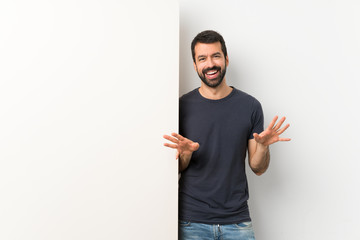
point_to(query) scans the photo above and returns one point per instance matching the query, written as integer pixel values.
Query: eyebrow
(201, 56)
(217, 53)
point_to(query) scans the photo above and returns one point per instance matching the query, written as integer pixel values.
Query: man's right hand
(185, 147)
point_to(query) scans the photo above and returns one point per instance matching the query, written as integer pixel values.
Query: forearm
(184, 162)
(260, 160)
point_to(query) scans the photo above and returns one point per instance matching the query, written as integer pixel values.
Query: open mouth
(211, 74)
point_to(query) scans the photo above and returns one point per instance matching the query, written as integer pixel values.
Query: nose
(210, 63)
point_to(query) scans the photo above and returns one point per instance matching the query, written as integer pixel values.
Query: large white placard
(87, 89)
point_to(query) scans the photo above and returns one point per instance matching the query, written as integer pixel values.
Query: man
(218, 124)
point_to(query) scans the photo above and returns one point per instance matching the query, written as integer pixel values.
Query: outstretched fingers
(284, 139)
(178, 136)
(171, 139)
(273, 132)
(272, 123)
(175, 146)
(185, 147)
(280, 131)
(179, 141)
(279, 124)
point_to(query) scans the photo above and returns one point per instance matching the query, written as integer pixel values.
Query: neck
(219, 92)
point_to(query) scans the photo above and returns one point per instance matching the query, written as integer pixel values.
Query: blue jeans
(200, 231)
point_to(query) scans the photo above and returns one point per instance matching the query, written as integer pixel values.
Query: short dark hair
(208, 36)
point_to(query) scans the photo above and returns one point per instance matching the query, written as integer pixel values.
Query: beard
(213, 83)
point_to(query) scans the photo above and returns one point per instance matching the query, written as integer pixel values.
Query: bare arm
(259, 157)
(259, 154)
(185, 147)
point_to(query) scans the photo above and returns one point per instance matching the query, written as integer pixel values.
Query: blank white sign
(87, 89)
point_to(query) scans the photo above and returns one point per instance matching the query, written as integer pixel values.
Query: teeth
(211, 73)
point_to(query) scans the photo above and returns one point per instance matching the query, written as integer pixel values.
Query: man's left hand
(272, 133)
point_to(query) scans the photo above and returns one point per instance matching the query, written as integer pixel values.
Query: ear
(227, 61)
(194, 65)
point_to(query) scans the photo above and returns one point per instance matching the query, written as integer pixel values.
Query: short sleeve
(257, 119)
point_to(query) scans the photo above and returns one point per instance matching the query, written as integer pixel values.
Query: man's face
(210, 63)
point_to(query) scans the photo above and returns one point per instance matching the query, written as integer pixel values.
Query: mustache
(217, 68)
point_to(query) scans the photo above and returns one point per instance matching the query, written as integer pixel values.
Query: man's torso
(213, 189)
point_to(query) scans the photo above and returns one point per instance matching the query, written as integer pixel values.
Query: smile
(211, 72)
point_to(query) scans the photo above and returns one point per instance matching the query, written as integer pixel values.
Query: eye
(201, 59)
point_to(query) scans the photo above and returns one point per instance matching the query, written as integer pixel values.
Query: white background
(300, 59)
(87, 89)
